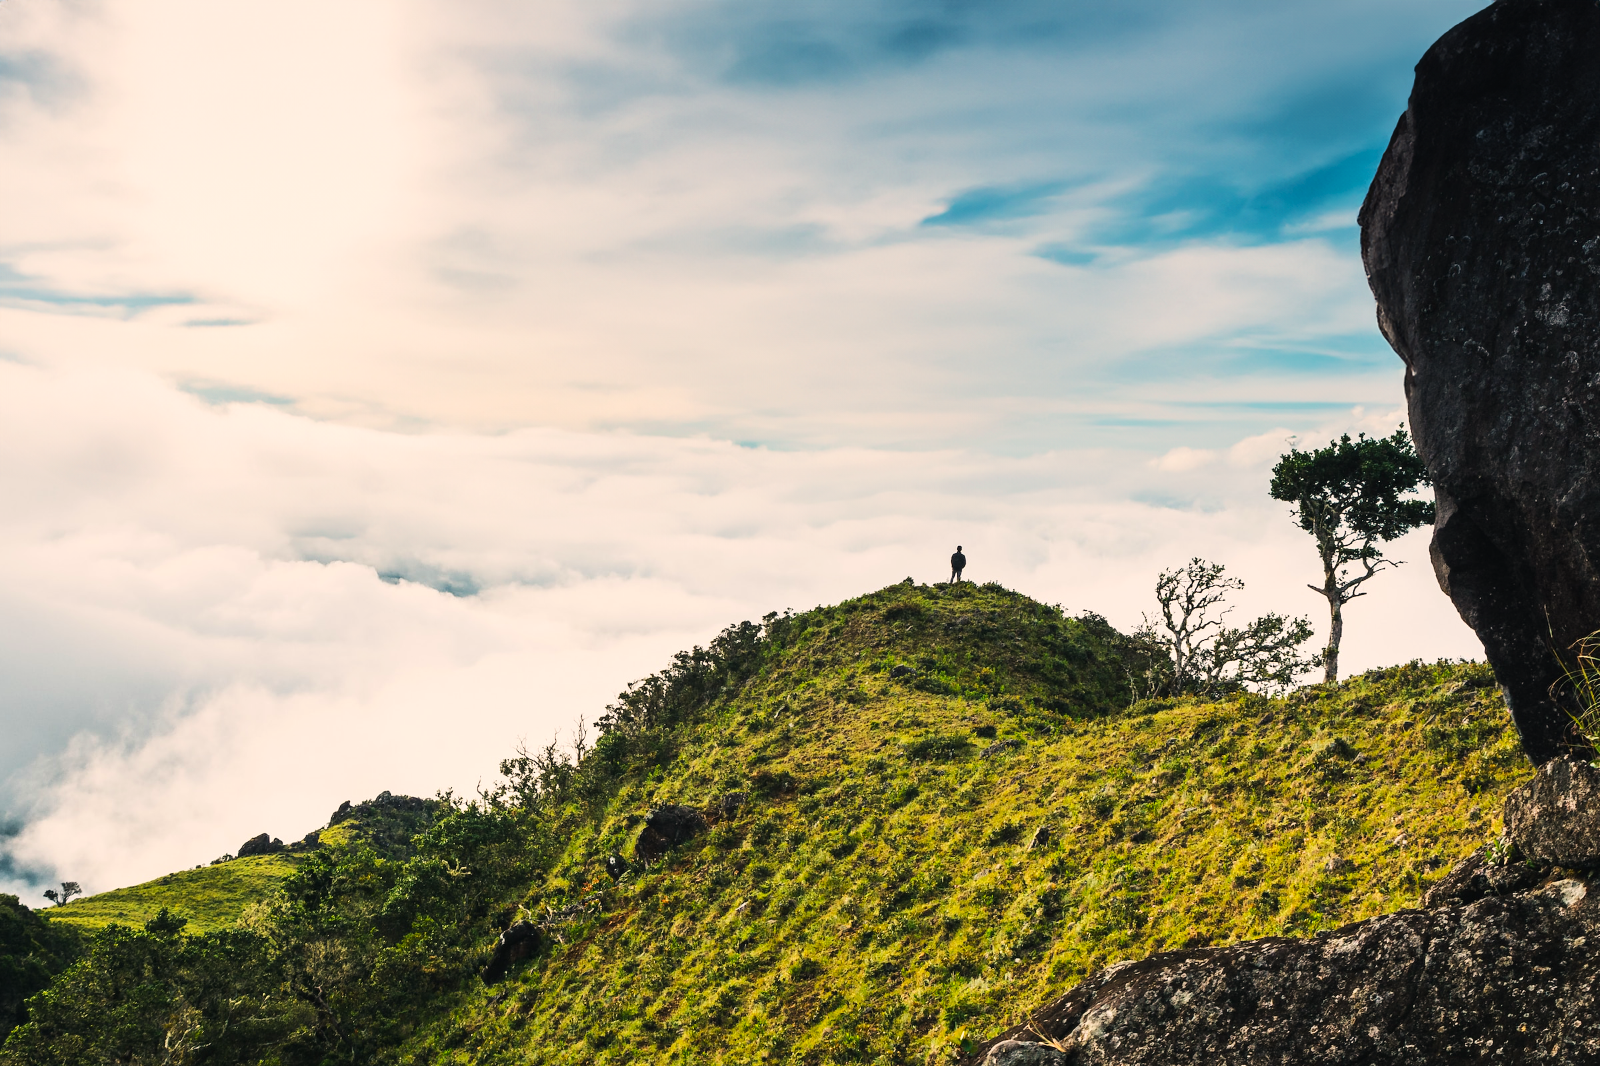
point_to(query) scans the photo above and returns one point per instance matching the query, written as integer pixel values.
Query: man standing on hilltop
(958, 563)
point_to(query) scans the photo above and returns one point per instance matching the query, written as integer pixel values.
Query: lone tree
(68, 890)
(1351, 496)
(1193, 651)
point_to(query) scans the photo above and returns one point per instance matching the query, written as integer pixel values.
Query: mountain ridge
(944, 804)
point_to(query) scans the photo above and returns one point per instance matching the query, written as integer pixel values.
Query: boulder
(1481, 239)
(1023, 1053)
(520, 941)
(383, 803)
(1554, 820)
(1500, 962)
(666, 827)
(616, 866)
(726, 806)
(260, 844)
(1477, 877)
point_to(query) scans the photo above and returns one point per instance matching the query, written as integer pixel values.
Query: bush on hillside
(32, 951)
(153, 995)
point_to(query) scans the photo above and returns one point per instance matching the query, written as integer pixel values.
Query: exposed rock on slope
(1475, 974)
(260, 844)
(1555, 818)
(1481, 237)
(668, 826)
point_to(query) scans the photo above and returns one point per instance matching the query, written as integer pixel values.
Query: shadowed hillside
(910, 812)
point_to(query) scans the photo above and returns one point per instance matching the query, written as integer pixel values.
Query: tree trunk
(1335, 633)
(1328, 548)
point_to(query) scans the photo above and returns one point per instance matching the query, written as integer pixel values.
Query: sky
(384, 384)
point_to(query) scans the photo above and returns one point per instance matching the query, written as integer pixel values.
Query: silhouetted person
(958, 563)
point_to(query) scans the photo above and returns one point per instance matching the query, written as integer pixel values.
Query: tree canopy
(1195, 651)
(1351, 496)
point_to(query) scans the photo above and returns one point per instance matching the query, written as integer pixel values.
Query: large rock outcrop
(1500, 965)
(665, 828)
(1481, 238)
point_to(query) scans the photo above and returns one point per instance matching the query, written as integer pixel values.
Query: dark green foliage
(1362, 485)
(679, 693)
(333, 970)
(153, 995)
(364, 940)
(1351, 496)
(386, 823)
(32, 951)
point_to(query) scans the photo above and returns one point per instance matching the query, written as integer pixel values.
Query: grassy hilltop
(214, 897)
(210, 897)
(947, 809)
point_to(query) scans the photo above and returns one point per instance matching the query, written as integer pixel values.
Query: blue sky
(690, 143)
(493, 351)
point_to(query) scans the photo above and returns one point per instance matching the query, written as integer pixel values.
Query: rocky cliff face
(1481, 238)
(1500, 964)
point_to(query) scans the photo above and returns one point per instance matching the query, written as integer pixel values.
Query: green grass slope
(211, 897)
(896, 885)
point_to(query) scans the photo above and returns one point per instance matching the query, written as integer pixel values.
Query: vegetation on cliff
(924, 808)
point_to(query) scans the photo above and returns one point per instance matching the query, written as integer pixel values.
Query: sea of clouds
(222, 619)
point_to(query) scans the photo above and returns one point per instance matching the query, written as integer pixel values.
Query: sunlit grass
(1580, 670)
(950, 815)
(211, 897)
(904, 893)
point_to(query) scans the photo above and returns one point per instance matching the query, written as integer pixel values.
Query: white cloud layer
(198, 644)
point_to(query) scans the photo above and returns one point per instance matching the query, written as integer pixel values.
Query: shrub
(937, 746)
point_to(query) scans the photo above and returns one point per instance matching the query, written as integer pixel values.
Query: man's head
(958, 547)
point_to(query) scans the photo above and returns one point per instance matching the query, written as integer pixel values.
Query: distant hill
(211, 897)
(849, 835)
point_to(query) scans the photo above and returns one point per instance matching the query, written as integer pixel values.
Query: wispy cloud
(994, 204)
(598, 195)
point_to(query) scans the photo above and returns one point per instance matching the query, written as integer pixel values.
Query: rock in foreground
(1501, 966)
(1481, 238)
(1510, 977)
(1553, 817)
